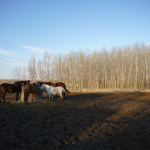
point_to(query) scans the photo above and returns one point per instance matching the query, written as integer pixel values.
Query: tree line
(124, 67)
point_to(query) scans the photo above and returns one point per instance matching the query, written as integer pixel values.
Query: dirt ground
(91, 121)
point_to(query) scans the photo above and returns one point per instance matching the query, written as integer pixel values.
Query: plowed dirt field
(91, 121)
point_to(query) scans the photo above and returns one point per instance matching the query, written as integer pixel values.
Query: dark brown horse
(55, 84)
(29, 89)
(0, 94)
(11, 88)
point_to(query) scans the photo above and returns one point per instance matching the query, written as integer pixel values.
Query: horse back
(27, 87)
(10, 88)
(58, 84)
(61, 84)
(4, 87)
(41, 83)
(53, 84)
(60, 88)
(34, 88)
(31, 88)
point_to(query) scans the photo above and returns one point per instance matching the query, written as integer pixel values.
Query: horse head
(40, 83)
(43, 88)
(37, 84)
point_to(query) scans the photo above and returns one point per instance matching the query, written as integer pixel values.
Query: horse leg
(64, 95)
(0, 94)
(17, 94)
(3, 96)
(32, 97)
(20, 96)
(55, 97)
(3, 93)
(26, 95)
(49, 96)
(35, 95)
(60, 94)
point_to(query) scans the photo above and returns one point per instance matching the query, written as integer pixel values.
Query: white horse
(51, 91)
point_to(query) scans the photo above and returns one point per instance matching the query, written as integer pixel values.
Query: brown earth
(109, 121)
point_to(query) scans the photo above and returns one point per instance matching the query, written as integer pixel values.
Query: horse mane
(25, 82)
(18, 82)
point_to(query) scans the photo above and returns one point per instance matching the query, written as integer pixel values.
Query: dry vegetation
(83, 121)
(11, 81)
(122, 68)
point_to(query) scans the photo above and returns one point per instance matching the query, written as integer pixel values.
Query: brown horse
(0, 93)
(11, 88)
(29, 88)
(55, 84)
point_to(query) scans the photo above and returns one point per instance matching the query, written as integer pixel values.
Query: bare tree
(32, 70)
(47, 65)
(40, 70)
(16, 72)
(121, 68)
(24, 75)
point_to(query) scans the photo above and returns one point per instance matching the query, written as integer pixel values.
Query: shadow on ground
(82, 121)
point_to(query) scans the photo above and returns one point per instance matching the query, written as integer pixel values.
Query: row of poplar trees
(121, 68)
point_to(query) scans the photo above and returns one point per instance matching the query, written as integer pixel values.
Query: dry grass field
(91, 121)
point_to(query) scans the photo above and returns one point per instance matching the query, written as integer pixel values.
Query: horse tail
(66, 90)
(26, 95)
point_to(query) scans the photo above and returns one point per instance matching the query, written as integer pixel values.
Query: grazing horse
(53, 90)
(0, 93)
(55, 84)
(29, 88)
(11, 88)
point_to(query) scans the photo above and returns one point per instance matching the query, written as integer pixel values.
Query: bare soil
(91, 121)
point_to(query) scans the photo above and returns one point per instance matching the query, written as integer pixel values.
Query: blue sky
(34, 26)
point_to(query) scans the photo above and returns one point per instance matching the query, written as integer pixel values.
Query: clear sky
(57, 26)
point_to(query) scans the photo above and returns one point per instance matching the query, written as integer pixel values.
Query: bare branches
(16, 72)
(122, 68)
(32, 70)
